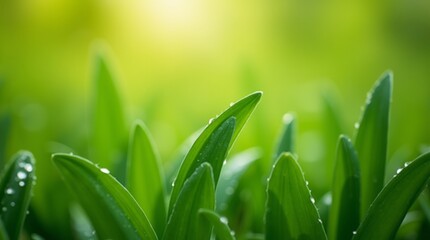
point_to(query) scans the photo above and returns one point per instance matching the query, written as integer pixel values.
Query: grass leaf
(144, 177)
(290, 211)
(3, 232)
(230, 122)
(390, 207)
(344, 211)
(109, 131)
(112, 210)
(15, 192)
(371, 141)
(231, 174)
(286, 138)
(220, 224)
(198, 192)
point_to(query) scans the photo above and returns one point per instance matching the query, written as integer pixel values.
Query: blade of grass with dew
(108, 124)
(286, 138)
(344, 211)
(237, 114)
(144, 177)
(231, 173)
(198, 192)
(290, 210)
(15, 192)
(219, 223)
(390, 207)
(112, 210)
(323, 205)
(371, 141)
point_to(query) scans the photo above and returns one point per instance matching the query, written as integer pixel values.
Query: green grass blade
(290, 210)
(15, 192)
(390, 207)
(198, 192)
(3, 232)
(286, 138)
(235, 116)
(144, 177)
(371, 141)
(112, 210)
(231, 174)
(213, 151)
(108, 124)
(344, 211)
(220, 224)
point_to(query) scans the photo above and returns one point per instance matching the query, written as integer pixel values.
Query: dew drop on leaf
(9, 191)
(21, 175)
(104, 170)
(21, 183)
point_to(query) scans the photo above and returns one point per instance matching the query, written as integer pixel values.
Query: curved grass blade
(144, 177)
(15, 192)
(220, 224)
(213, 151)
(198, 192)
(112, 210)
(390, 207)
(371, 141)
(108, 124)
(286, 139)
(237, 114)
(231, 174)
(344, 211)
(290, 210)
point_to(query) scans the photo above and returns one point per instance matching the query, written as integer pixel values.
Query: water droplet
(21, 183)
(224, 220)
(4, 209)
(211, 120)
(354, 232)
(173, 183)
(12, 204)
(223, 163)
(357, 125)
(229, 191)
(307, 183)
(71, 154)
(28, 167)
(406, 164)
(399, 170)
(231, 104)
(9, 191)
(104, 170)
(320, 221)
(313, 200)
(21, 175)
(28, 212)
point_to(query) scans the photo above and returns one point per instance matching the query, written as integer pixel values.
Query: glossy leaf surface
(219, 223)
(290, 210)
(144, 177)
(112, 210)
(344, 211)
(371, 141)
(198, 192)
(213, 139)
(15, 192)
(390, 207)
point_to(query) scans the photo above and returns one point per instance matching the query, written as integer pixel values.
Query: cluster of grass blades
(136, 204)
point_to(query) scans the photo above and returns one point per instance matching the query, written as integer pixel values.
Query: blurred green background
(180, 62)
